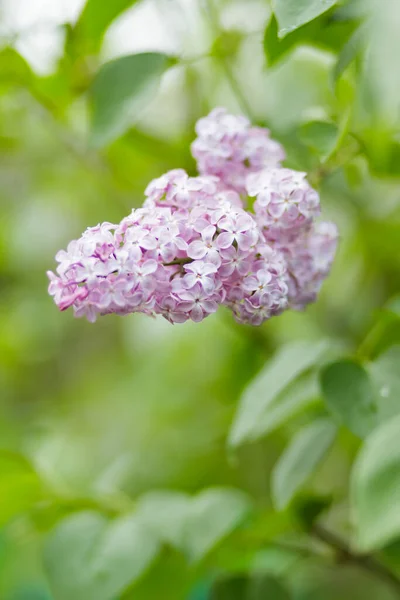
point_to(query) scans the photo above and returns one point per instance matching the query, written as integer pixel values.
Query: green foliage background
(143, 461)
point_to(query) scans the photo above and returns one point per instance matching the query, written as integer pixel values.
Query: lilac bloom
(206, 247)
(197, 303)
(202, 273)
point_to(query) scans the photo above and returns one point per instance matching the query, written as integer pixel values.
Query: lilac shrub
(193, 245)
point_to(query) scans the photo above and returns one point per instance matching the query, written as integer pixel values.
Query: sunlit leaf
(300, 459)
(257, 398)
(88, 557)
(349, 395)
(291, 14)
(375, 487)
(121, 90)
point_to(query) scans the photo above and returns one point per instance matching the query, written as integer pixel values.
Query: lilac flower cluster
(193, 246)
(230, 148)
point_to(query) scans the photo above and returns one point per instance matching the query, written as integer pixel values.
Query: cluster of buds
(193, 245)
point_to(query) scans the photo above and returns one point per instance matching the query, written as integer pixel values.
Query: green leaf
(262, 587)
(88, 557)
(291, 14)
(393, 305)
(230, 588)
(308, 508)
(301, 394)
(385, 374)
(321, 136)
(165, 514)
(349, 394)
(276, 48)
(242, 587)
(121, 90)
(375, 488)
(20, 486)
(280, 371)
(349, 52)
(213, 515)
(380, 74)
(326, 32)
(299, 460)
(13, 68)
(96, 17)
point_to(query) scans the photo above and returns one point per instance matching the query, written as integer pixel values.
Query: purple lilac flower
(285, 203)
(193, 247)
(230, 148)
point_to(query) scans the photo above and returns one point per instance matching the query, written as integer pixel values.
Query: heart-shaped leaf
(88, 557)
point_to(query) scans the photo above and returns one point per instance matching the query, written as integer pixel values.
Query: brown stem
(366, 562)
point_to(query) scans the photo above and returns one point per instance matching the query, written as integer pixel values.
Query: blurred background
(110, 411)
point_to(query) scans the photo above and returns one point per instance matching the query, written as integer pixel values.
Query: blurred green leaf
(393, 305)
(349, 395)
(380, 73)
(227, 44)
(300, 459)
(259, 395)
(385, 374)
(339, 582)
(121, 89)
(301, 394)
(326, 32)
(275, 560)
(213, 515)
(165, 514)
(291, 14)
(96, 17)
(262, 587)
(375, 488)
(308, 509)
(321, 136)
(20, 486)
(255, 587)
(349, 52)
(88, 557)
(230, 588)
(13, 68)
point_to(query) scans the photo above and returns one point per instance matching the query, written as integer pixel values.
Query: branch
(366, 562)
